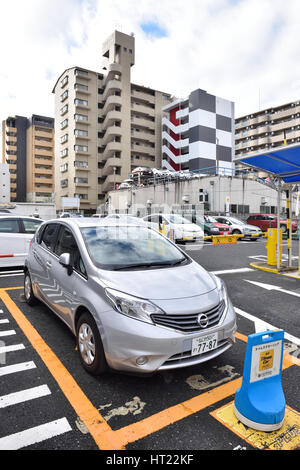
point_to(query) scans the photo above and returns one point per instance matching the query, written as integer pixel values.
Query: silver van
(134, 300)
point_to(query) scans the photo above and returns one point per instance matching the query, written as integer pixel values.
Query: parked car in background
(238, 227)
(182, 229)
(16, 233)
(141, 174)
(265, 221)
(65, 215)
(134, 300)
(209, 228)
(224, 229)
(99, 216)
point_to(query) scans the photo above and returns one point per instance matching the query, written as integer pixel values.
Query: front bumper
(125, 340)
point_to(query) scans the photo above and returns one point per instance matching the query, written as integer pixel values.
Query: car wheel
(90, 346)
(236, 232)
(253, 239)
(28, 292)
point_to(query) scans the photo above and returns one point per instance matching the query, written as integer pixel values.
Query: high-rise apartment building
(267, 129)
(4, 183)
(28, 149)
(105, 126)
(198, 133)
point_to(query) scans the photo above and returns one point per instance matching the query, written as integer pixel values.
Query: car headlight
(221, 289)
(133, 307)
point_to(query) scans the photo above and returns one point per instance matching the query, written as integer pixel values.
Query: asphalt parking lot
(49, 402)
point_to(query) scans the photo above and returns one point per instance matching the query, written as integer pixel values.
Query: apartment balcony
(109, 183)
(42, 152)
(78, 184)
(143, 149)
(111, 87)
(111, 102)
(114, 69)
(44, 171)
(43, 180)
(110, 134)
(46, 145)
(44, 134)
(80, 88)
(43, 189)
(39, 160)
(140, 108)
(111, 148)
(143, 123)
(110, 118)
(286, 125)
(110, 163)
(145, 162)
(85, 75)
(143, 136)
(12, 167)
(145, 97)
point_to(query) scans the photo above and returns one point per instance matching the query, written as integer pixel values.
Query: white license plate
(204, 344)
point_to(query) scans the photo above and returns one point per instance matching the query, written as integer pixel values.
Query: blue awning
(283, 162)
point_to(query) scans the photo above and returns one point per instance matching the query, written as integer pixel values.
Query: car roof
(18, 216)
(95, 222)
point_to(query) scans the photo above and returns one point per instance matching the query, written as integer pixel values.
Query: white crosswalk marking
(3, 322)
(24, 395)
(14, 347)
(34, 435)
(7, 333)
(17, 368)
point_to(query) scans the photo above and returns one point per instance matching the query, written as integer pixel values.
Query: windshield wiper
(149, 265)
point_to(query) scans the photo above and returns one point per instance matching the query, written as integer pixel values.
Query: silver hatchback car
(134, 300)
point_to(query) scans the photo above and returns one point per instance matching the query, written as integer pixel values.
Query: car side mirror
(65, 261)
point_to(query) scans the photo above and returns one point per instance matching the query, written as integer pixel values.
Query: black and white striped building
(198, 133)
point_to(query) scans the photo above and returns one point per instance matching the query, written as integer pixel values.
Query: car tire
(236, 232)
(28, 292)
(90, 345)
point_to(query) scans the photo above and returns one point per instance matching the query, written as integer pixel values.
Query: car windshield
(210, 219)
(124, 247)
(236, 221)
(177, 219)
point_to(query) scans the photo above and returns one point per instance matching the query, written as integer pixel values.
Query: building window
(64, 168)
(81, 196)
(80, 102)
(80, 148)
(64, 183)
(64, 153)
(64, 96)
(81, 180)
(81, 117)
(79, 86)
(64, 110)
(64, 138)
(64, 81)
(64, 124)
(80, 133)
(79, 164)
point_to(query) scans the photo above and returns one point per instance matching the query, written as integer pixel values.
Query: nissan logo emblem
(203, 320)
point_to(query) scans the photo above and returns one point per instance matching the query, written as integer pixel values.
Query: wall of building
(4, 183)
(42, 210)
(245, 195)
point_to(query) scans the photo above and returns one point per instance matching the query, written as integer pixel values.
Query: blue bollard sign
(260, 402)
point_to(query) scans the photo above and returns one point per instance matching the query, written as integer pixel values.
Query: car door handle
(48, 264)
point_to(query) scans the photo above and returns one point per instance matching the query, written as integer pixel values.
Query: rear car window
(31, 226)
(9, 226)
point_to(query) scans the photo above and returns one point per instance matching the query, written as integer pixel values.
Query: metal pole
(278, 228)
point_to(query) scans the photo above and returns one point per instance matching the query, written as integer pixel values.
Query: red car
(265, 221)
(223, 229)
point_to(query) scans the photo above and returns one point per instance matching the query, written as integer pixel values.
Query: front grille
(189, 323)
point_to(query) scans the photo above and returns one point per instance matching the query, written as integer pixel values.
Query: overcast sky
(247, 51)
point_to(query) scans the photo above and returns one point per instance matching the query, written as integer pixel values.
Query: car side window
(66, 243)
(9, 226)
(31, 226)
(48, 237)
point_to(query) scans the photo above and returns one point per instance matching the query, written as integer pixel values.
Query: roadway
(49, 402)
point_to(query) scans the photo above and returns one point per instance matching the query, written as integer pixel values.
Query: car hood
(177, 282)
(251, 227)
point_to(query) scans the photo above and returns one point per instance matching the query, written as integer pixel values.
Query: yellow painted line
(273, 270)
(285, 438)
(12, 288)
(84, 409)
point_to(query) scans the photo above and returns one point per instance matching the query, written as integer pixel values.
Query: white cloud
(230, 48)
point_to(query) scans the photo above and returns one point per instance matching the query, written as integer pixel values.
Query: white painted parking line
(261, 325)
(6, 370)
(233, 271)
(34, 435)
(7, 333)
(3, 322)
(24, 395)
(14, 347)
(11, 275)
(17, 271)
